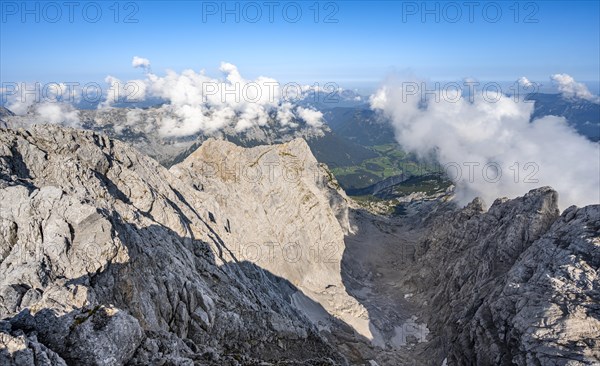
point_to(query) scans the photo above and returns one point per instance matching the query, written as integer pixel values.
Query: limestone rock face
(285, 213)
(515, 285)
(549, 306)
(107, 258)
(19, 349)
(237, 257)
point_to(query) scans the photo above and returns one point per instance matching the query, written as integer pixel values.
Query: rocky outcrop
(19, 349)
(5, 115)
(548, 311)
(141, 128)
(517, 284)
(107, 258)
(285, 213)
(237, 257)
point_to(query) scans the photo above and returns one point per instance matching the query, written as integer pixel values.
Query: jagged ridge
(106, 258)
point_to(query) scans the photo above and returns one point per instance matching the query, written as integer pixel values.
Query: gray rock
(119, 261)
(285, 212)
(21, 350)
(515, 285)
(107, 258)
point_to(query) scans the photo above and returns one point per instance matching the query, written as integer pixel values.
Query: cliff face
(285, 213)
(242, 256)
(515, 285)
(107, 258)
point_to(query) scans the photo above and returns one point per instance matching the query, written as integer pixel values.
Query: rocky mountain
(286, 214)
(361, 125)
(516, 285)
(255, 256)
(5, 113)
(141, 128)
(107, 258)
(581, 114)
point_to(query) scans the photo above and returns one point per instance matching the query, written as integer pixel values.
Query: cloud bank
(193, 102)
(491, 149)
(569, 88)
(312, 117)
(56, 106)
(523, 81)
(196, 102)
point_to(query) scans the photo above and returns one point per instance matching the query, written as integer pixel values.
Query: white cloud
(113, 92)
(45, 103)
(379, 100)
(200, 103)
(310, 116)
(462, 134)
(19, 106)
(26, 95)
(129, 91)
(286, 116)
(140, 62)
(523, 81)
(46, 112)
(57, 113)
(572, 89)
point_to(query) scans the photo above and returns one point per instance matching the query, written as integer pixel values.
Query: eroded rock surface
(517, 284)
(237, 257)
(285, 213)
(107, 258)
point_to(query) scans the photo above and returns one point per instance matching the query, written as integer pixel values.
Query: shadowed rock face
(286, 214)
(517, 284)
(106, 258)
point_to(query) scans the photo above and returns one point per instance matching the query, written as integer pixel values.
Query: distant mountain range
(357, 143)
(582, 115)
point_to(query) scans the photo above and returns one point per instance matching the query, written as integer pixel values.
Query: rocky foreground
(252, 257)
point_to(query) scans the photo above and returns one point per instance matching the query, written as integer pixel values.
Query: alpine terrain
(256, 256)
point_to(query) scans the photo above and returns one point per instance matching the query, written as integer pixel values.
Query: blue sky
(369, 41)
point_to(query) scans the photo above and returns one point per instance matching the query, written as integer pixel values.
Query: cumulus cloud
(570, 88)
(311, 117)
(23, 97)
(140, 62)
(286, 116)
(491, 149)
(192, 102)
(49, 103)
(19, 107)
(47, 112)
(196, 102)
(57, 113)
(130, 91)
(523, 81)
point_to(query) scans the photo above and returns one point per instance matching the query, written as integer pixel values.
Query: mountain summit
(248, 256)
